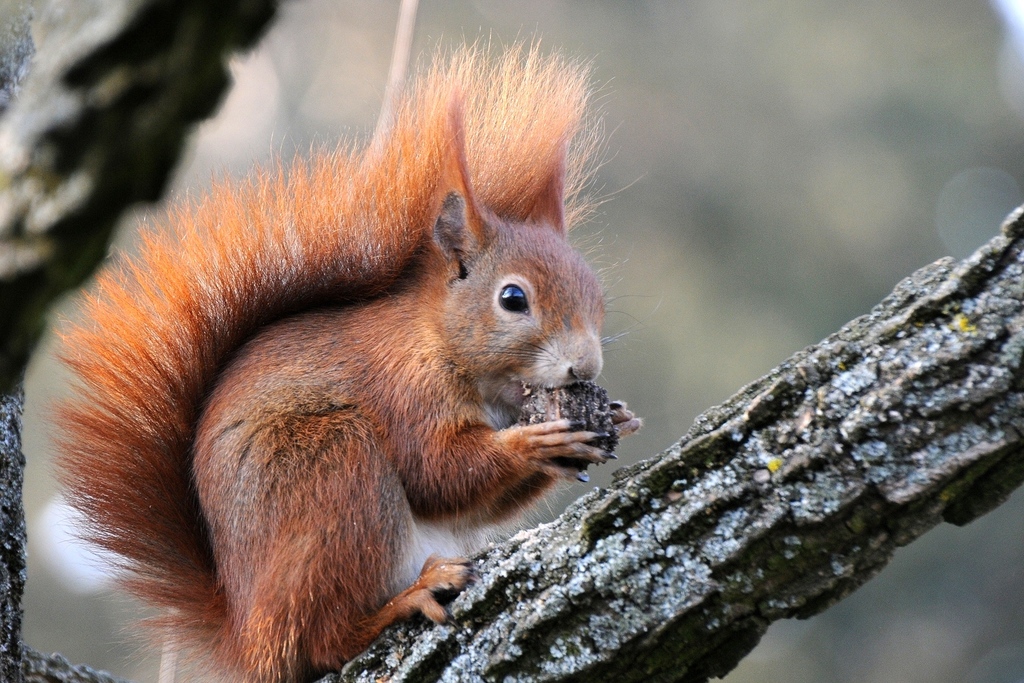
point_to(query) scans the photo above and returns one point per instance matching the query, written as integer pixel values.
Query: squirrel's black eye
(513, 298)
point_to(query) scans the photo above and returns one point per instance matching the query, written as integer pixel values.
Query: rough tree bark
(12, 533)
(776, 504)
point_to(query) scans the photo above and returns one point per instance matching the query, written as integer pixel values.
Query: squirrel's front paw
(626, 423)
(559, 448)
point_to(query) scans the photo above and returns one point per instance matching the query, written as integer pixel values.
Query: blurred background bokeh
(773, 169)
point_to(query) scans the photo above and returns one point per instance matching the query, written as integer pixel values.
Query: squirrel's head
(520, 304)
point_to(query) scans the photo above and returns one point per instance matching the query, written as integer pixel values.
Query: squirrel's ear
(460, 229)
(549, 204)
(451, 230)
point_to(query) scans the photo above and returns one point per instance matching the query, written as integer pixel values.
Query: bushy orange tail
(342, 227)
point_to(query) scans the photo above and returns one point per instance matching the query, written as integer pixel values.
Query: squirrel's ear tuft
(460, 229)
(549, 203)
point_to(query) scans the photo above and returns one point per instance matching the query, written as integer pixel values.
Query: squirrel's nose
(587, 366)
(581, 373)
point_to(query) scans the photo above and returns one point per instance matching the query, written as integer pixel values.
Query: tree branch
(775, 505)
(40, 668)
(98, 126)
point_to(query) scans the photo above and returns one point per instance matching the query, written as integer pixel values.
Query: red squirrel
(296, 407)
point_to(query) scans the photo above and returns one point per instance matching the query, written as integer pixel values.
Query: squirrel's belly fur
(292, 396)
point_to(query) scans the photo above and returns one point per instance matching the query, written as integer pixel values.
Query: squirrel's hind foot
(440, 580)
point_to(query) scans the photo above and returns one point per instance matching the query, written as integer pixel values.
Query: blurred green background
(773, 169)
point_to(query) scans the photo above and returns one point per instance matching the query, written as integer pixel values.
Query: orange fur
(332, 419)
